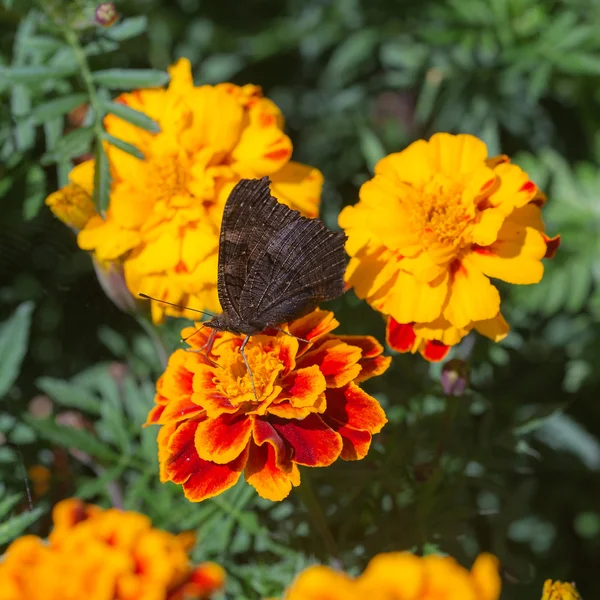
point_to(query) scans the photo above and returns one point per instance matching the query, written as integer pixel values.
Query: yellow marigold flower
(164, 215)
(104, 555)
(437, 221)
(404, 576)
(73, 204)
(556, 590)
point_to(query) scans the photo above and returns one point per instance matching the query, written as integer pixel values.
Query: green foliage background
(355, 79)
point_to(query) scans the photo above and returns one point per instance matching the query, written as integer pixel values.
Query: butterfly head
(224, 322)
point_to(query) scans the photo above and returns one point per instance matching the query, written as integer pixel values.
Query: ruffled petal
(302, 387)
(263, 474)
(337, 361)
(298, 186)
(224, 438)
(354, 407)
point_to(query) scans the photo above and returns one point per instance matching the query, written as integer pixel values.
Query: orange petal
(163, 437)
(154, 415)
(400, 336)
(302, 387)
(323, 583)
(314, 443)
(262, 433)
(354, 407)
(180, 409)
(177, 379)
(371, 361)
(486, 577)
(552, 244)
(263, 474)
(337, 361)
(201, 479)
(313, 326)
(261, 151)
(355, 442)
(224, 438)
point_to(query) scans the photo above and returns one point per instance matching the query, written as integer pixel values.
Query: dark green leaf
(128, 28)
(101, 179)
(57, 107)
(125, 146)
(98, 485)
(68, 437)
(135, 117)
(75, 143)
(14, 333)
(127, 79)
(372, 148)
(69, 394)
(8, 503)
(14, 527)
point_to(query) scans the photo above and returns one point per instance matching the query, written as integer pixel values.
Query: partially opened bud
(557, 590)
(455, 377)
(106, 14)
(112, 280)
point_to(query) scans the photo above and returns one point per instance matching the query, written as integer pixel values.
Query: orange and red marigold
(308, 409)
(162, 225)
(104, 555)
(437, 221)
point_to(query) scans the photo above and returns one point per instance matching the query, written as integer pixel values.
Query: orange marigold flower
(557, 590)
(165, 212)
(104, 555)
(402, 575)
(437, 221)
(309, 409)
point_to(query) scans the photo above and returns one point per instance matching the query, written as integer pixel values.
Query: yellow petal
(393, 575)
(411, 300)
(322, 583)
(299, 187)
(486, 577)
(456, 154)
(197, 243)
(181, 76)
(516, 255)
(72, 205)
(128, 208)
(83, 176)
(422, 267)
(440, 330)
(108, 241)
(515, 188)
(471, 297)
(413, 165)
(447, 579)
(371, 273)
(496, 329)
(489, 222)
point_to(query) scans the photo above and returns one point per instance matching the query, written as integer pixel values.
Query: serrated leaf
(14, 527)
(75, 143)
(57, 107)
(35, 191)
(122, 145)
(68, 437)
(127, 79)
(98, 484)
(101, 179)
(135, 117)
(69, 394)
(37, 74)
(14, 333)
(128, 28)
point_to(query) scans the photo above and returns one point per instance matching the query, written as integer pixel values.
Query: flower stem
(160, 348)
(310, 500)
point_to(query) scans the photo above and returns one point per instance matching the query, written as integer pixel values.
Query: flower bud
(106, 14)
(455, 377)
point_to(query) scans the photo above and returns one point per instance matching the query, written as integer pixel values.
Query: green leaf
(37, 74)
(8, 503)
(14, 333)
(68, 437)
(69, 394)
(57, 107)
(101, 179)
(372, 148)
(135, 117)
(125, 146)
(97, 485)
(128, 28)
(75, 143)
(127, 79)
(14, 527)
(35, 191)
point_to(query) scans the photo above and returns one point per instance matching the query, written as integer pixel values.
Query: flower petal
(371, 361)
(298, 186)
(313, 326)
(263, 432)
(314, 443)
(263, 474)
(261, 151)
(456, 154)
(323, 583)
(354, 407)
(398, 575)
(486, 577)
(224, 438)
(334, 359)
(434, 350)
(302, 387)
(400, 336)
(496, 329)
(472, 297)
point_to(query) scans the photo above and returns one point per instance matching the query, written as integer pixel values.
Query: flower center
(234, 378)
(169, 177)
(440, 215)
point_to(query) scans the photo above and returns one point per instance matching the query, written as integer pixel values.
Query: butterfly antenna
(187, 337)
(203, 312)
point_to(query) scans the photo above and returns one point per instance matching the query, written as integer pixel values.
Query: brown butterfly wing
(250, 219)
(301, 266)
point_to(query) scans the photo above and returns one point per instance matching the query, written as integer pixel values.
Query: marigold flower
(165, 212)
(557, 590)
(402, 575)
(437, 221)
(104, 555)
(309, 409)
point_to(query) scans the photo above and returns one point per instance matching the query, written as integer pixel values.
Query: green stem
(160, 348)
(310, 500)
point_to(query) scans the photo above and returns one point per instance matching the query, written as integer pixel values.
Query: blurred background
(355, 80)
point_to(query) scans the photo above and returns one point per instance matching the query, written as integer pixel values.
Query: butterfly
(274, 264)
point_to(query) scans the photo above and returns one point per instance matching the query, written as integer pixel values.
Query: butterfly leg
(247, 365)
(207, 348)
(292, 335)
